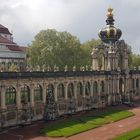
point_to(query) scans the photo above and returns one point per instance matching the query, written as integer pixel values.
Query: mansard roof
(5, 40)
(14, 47)
(10, 44)
(23, 48)
(4, 30)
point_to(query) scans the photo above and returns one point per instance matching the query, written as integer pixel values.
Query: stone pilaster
(3, 104)
(18, 97)
(44, 92)
(66, 90)
(32, 95)
(108, 91)
(91, 88)
(84, 88)
(99, 92)
(75, 90)
(55, 92)
(117, 85)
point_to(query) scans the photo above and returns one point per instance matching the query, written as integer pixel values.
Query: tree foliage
(87, 49)
(134, 60)
(51, 47)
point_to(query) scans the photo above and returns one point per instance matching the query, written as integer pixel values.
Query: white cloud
(82, 18)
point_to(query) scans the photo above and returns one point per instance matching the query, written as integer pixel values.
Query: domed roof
(110, 34)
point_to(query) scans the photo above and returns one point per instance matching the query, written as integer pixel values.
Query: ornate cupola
(110, 34)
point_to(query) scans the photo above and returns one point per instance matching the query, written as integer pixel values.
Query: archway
(38, 92)
(79, 93)
(87, 89)
(70, 90)
(10, 95)
(60, 91)
(25, 94)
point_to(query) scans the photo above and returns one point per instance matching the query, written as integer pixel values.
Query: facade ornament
(74, 68)
(43, 68)
(66, 68)
(54, 68)
(38, 68)
(86, 68)
(48, 68)
(57, 68)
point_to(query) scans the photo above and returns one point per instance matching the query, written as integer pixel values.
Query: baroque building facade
(10, 52)
(29, 96)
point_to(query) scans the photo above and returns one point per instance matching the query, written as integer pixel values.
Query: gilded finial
(109, 13)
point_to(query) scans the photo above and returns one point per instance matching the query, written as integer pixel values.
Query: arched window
(79, 89)
(10, 95)
(95, 87)
(102, 86)
(87, 89)
(60, 91)
(70, 90)
(38, 92)
(137, 83)
(25, 94)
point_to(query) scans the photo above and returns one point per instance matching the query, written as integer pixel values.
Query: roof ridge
(1, 26)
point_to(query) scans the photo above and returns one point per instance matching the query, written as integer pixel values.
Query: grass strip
(131, 135)
(84, 123)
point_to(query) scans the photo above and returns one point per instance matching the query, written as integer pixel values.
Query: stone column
(44, 92)
(66, 91)
(75, 90)
(103, 63)
(3, 100)
(93, 64)
(32, 95)
(91, 88)
(128, 87)
(113, 82)
(99, 92)
(118, 85)
(18, 97)
(109, 93)
(114, 89)
(84, 88)
(108, 63)
(55, 92)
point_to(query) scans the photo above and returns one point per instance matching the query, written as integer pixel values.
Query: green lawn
(74, 126)
(131, 135)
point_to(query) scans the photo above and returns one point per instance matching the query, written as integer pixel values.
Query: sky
(82, 18)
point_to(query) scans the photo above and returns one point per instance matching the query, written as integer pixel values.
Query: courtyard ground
(106, 132)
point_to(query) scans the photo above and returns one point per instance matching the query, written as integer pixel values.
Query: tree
(51, 47)
(134, 60)
(87, 49)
